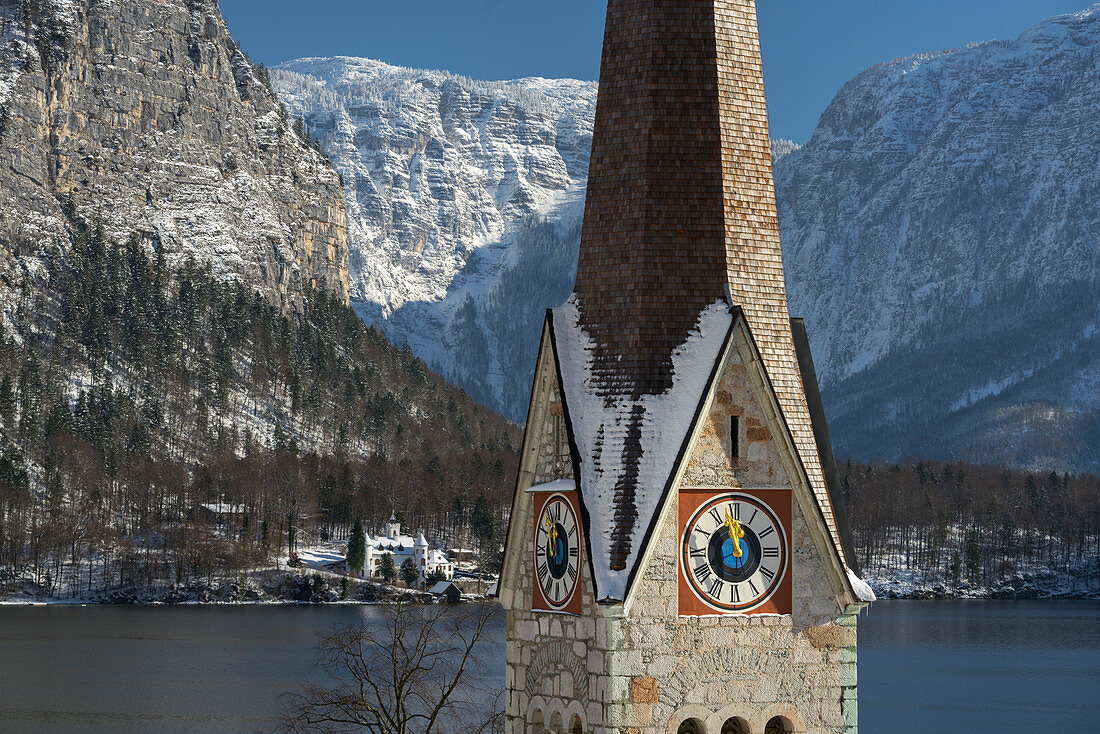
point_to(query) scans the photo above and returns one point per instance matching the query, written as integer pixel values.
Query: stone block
(644, 690)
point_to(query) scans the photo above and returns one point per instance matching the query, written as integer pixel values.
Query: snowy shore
(1079, 582)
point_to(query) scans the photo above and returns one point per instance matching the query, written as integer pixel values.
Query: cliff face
(943, 242)
(464, 204)
(146, 115)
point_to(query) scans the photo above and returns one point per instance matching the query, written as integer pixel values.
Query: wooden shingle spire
(680, 214)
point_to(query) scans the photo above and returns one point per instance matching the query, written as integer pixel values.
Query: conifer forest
(940, 528)
(132, 393)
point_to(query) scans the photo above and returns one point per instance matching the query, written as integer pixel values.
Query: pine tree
(435, 577)
(386, 568)
(483, 523)
(7, 403)
(357, 548)
(409, 573)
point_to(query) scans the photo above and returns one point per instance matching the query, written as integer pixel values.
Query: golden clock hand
(551, 533)
(736, 533)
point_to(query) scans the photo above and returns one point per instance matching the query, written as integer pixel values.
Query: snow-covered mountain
(464, 201)
(940, 234)
(147, 117)
(942, 239)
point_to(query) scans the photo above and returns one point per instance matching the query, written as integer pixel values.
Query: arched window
(555, 723)
(691, 726)
(735, 725)
(536, 725)
(778, 725)
(575, 725)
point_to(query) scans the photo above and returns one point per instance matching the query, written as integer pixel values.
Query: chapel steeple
(682, 570)
(681, 213)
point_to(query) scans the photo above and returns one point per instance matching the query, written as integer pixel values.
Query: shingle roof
(680, 213)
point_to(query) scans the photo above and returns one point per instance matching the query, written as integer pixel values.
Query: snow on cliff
(464, 202)
(940, 235)
(943, 243)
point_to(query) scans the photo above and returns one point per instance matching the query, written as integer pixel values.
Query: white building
(402, 547)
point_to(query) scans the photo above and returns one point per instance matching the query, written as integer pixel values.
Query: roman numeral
(698, 552)
(572, 552)
(771, 552)
(755, 591)
(766, 533)
(702, 572)
(572, 571)
(769, 575)
(737, 511)
(543, 571)
(736, 593)
(716, 589)
(754, 514)
(704, 532)
(717, 517)
(572, 530)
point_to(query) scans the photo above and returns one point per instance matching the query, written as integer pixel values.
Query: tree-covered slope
(943, 243)
(136, 393)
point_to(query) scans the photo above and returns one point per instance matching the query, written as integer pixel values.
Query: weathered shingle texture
(681, 212)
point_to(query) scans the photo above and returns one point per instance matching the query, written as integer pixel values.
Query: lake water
(924, 666)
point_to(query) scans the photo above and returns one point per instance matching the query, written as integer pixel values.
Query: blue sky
(811, 47)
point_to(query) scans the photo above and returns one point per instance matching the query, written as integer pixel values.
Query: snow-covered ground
(1034, 581)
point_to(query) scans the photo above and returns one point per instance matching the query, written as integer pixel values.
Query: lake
(924, 666)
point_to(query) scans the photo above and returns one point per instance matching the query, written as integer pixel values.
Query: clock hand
(736, 533)
(552, 534)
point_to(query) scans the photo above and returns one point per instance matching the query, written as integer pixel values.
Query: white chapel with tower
(676, 562)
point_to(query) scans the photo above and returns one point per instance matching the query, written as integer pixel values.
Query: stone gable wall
(644, 672)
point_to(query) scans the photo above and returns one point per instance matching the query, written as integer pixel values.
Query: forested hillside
(932, 529)
(130, 394)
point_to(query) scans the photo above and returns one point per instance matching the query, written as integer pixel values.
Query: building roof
(223, 508)
(443, 587)
(680, 219)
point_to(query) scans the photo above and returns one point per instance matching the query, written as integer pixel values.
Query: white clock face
(734, 552)
(557, 552)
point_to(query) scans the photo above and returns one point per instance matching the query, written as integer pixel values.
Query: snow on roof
(441, 588)
(558, 485)
(493, 589)
(223, 508)
(603, 424)
(863, 590)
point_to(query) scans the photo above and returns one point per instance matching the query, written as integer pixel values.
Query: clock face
(557, 552)
(734, 552)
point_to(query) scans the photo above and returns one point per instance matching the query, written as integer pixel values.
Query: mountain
(937, 231)
(174, 320)
(943, 244)
(465, 200)
(148, 117)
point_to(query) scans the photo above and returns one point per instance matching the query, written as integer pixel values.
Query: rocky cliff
(938, 234)
(464, 199)
(146, 115)
(943, 242)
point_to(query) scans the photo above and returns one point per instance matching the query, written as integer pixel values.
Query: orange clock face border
(572, 603)
(778, 599)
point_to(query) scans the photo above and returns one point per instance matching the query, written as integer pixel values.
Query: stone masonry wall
(646, 671)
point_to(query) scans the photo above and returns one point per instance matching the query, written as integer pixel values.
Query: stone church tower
(675, 562)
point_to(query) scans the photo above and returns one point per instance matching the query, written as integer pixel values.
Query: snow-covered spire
(680, 223)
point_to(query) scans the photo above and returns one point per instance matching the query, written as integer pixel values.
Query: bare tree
(421, 668)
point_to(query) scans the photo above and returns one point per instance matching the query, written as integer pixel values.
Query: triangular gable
(546, 390)
(627, 450)
(741, 340)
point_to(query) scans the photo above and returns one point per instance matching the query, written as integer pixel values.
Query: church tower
(675, 561)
